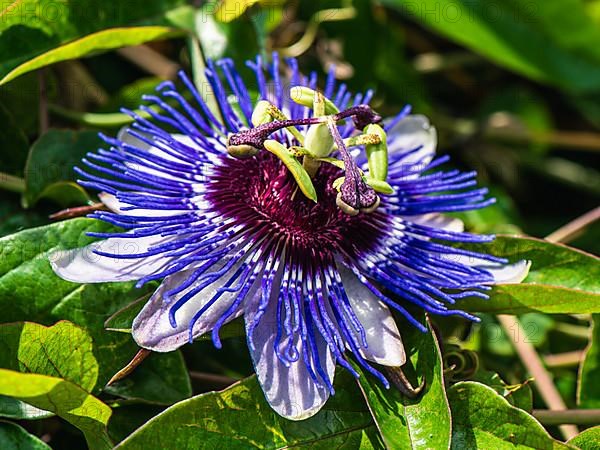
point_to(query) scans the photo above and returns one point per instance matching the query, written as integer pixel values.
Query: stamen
(254, 138)
(355, 195)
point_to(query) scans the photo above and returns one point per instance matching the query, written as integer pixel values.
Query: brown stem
(570, 230)
(533, 363)
(399, 379)
(567, 416)
(136, 361)
(150, 60)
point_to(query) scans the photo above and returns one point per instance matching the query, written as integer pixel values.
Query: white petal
(152, 329)
(382, 335)
(82, 265)
(440, 221)
(126, 137)
(508, 273)
(410, 133)
(290, 391)
(502, 273)
(116, 206)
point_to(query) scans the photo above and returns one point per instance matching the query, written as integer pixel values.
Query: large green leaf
(512, 34)
(63, 350)
(481, 418)
(34, 30)
(14, 437)
(49, 170)
(30, 290)
(420, 423)
(16, 409)
(588, 393)
(240, 418)
(94, 43)
(587, 440)
(63, 398)
(561, 279)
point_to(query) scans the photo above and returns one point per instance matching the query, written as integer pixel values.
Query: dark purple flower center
(260, 192)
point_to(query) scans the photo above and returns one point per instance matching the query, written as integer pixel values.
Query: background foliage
(514, 90)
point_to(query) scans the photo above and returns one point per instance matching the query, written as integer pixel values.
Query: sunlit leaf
(30, 290)
(239, 417)
(63, 398)
(561, 279)
(420, 423)
(62, 350)
(481, 418)
(34, 33)
(587, 440)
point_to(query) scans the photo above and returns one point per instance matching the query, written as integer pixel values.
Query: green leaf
(511, 34)
(587, 440)
(16, 409)
(162, 378)
(14, 437)
(420, 423)
(518, 395)
(33, 32)
(49, 171)
(483, 419)
(94, 43)
(62, 350)
(63, 398)
(30, 290)
(239, 417)
(561, 279)
(588, 390)
(89, 305)
(122, 320)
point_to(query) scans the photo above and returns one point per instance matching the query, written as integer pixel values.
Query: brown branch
(567, 359)
(568, 416)
(569, 231)
(150, 60)
(533, 363)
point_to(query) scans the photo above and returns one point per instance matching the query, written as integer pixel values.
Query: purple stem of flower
(255, 137)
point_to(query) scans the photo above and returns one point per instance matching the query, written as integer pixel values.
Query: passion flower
(303, 211)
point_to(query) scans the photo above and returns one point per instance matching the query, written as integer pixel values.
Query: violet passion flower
(315, 278)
